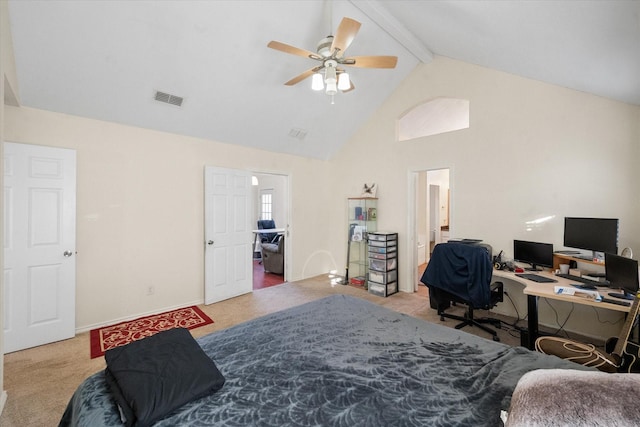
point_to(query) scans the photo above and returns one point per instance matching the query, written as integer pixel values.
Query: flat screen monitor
(622, 273)
(534, 253)
(592, 234)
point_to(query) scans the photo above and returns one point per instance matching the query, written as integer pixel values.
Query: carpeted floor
(40, 381)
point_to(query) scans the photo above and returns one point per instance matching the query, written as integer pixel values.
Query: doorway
(431, 218)
(271, 202)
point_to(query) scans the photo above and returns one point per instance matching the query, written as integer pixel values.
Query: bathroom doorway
(432, 201)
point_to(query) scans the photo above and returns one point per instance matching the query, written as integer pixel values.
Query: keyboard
(616, 301)
(583, 280)
(536, 278)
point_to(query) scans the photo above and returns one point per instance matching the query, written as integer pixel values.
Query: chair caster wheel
(495, 338)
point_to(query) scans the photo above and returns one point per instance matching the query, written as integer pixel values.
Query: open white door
(228, 237)
(39, 245)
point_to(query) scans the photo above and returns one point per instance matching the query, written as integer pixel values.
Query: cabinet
(362, 217)
(383, 263)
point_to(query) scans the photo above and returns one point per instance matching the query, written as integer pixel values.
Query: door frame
(412, 221)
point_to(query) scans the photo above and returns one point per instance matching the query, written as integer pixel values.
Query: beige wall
(532, 150)
(140, 210)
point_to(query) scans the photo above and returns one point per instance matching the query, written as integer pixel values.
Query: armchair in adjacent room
(461, 273)
(273, 256)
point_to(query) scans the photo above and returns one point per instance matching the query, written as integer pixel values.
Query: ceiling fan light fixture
(331, 80)
(332, 89)
(316, 82)
(343, 81)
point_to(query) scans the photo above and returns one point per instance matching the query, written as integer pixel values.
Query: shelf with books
(362, 215)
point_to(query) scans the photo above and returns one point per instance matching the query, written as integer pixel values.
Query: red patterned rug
(102, 339)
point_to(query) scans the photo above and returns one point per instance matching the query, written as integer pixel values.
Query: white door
(228, 237)
(39, 245)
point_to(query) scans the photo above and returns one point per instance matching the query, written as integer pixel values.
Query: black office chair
(461, 273)
(265, 224)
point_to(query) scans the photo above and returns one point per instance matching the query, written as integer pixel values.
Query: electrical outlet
(151, 290)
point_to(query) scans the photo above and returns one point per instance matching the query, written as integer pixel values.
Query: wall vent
(298, 133)
(168, 98)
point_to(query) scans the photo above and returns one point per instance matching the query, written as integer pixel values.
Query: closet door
(39, 245)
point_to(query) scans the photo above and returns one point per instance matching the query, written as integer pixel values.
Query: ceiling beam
(381, 16)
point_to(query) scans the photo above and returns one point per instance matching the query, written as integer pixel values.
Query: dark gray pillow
(154, 376)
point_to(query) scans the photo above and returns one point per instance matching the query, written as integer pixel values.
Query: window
(266, 204)
(437, 116)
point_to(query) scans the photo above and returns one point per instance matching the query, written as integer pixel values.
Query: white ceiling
(105, 59)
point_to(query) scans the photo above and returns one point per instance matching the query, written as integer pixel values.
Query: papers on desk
(583, 293)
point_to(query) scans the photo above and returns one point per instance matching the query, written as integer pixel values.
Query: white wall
(140, 210)
(532, 150)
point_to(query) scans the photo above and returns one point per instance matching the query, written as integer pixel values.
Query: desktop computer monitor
(534, 253)
(622, 273)
(592, 234)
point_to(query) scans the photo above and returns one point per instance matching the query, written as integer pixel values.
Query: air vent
(168, 98)
(298, 133)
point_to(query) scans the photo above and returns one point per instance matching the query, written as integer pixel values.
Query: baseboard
(88, 328)
(3, 400)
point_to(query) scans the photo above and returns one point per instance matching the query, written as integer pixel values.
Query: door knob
(67, 253)
(210, 242)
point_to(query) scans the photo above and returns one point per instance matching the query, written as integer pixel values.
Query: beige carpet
(41, 380)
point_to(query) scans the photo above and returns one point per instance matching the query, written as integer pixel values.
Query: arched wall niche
(434, 117)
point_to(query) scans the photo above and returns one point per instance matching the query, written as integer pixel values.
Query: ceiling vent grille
(168, 98)
(298, 133)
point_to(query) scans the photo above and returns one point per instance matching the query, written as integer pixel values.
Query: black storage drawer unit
(383, 263)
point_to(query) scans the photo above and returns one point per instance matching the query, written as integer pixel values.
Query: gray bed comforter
(342, 361)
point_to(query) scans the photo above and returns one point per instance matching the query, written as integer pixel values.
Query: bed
(341, 361)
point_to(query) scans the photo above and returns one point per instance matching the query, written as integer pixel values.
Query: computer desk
(534, 290)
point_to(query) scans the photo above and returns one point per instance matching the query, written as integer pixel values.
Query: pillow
(152, 377)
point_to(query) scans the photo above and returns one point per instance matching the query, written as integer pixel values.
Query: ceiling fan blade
(371, 61)
(345, 34)
(300, 77)
(283, 47)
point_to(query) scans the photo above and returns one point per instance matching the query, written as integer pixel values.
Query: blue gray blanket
(342, 361)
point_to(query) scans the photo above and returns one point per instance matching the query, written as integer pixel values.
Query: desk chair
(461, 273)
(267, 237)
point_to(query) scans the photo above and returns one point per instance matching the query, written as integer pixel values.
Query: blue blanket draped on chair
(462, 270)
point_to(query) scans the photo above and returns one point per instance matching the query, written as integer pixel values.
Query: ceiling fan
(330, 54)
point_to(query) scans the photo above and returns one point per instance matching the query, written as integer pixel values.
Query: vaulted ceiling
(105, 59)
